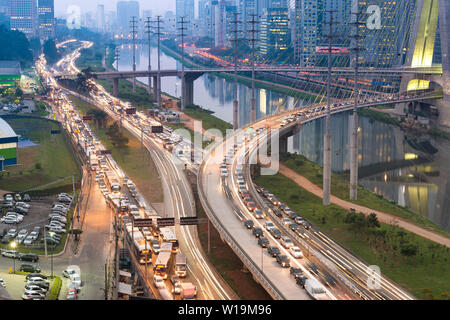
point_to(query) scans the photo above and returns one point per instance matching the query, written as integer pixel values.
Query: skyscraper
(125, 11)
(101, 18)
(186, 9)
(23, 16)
(46, 19)
(275, 35)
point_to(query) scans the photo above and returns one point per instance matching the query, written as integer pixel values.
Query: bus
(168, 235)
(141, 247)
(181, 265)
(163, 263)
(112, 181)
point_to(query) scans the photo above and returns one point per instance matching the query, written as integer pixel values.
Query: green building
(8, 145)
(10, 73)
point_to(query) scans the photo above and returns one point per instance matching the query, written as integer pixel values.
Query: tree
(16, 47)
(35, 45)
(99, 117)
(50, 51)
(372, 221)
(409, 249)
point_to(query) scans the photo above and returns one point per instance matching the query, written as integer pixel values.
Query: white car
(9, 220)
(68, 272)
(32, 287)
(296, 252)
(75, 279)
(33, 295)
(28, 240)
(159, 282)
(2, 283)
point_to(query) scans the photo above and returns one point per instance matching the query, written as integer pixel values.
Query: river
(421, 184)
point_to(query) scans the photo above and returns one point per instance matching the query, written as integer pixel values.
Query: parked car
(33, 295)
(12, 232)
(72, 294)
(2, 283)
(26, 197)
(31, 287)
(34, 275)
(10, 254)
(29, 268)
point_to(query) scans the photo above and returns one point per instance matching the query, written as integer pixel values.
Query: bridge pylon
(422, 50)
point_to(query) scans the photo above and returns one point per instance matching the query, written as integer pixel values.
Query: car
(257, 213)
(8, 197)
(286, 221)
(68, 272)
(28, 240)
(57, 217)
(177, 287)
(275, 233)
(251, 206)
(283, 260)
(263, 242)
(9, 220)
(286, 242)
(31, 257)
(7, 239)
(72, 294)
(20, 210)
(313, 268)
(23, 205)
(32, 275)
(29, 268)
(299, 220)
(43, 285)
(158, 282)
(155, 246)
(57, 230)
(33, 295)
(273, 251)
(2, 283)
(277, 212)
(306, 225)
(296, 252)
(268, 225)
(31, 287)
(329, 280)
(301, 280)
(17, 197)
(296, 272)
(249, 224)
(12, 232)
(10, 254)
(75, 279)
(258, 232)
(26, 197)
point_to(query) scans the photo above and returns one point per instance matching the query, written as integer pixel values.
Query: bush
(55, 289)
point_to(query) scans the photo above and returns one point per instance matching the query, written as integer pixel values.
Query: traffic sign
(55, 132)
(189, 221)
(87, 118)
(142, 223)
(166, 222)
(103, 152)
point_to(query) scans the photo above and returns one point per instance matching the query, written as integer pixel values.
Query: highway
(178, 197)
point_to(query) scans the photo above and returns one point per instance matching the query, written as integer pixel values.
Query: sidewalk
(382, 216)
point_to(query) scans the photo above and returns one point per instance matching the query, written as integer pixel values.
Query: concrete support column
(283, 144)
(188, 91)
(116, 87)
(327, 169)
(253, 111)
(235, 114)
(155, 85)
(354, 157)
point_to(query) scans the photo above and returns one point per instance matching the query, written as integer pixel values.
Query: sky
(157, 6)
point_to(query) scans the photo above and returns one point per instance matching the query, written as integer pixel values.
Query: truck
(316, 290)
(181, 265)
(93, 161)
(188, 291)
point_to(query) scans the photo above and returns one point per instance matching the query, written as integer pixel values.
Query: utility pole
(158, 78)
(133, 34)
(235, 102)
(117, 57)
(148, 23)
(253, 39)
(182, 22)
(327, 138)
(354, 122)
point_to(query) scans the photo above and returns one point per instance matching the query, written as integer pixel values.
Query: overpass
(226, 211)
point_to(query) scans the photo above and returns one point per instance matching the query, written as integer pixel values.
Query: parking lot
(29, 220)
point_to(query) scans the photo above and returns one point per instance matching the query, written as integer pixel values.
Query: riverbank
(417, 264)
(309, 175)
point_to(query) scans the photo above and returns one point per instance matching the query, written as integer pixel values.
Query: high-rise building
(23, 16)
(204, 18)
(384, 43)
(101, 18)
(125, 11)
(309, 30)
(46, 19)
(275, 35)
(247, 8)
(4, 13)
(186, 9)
